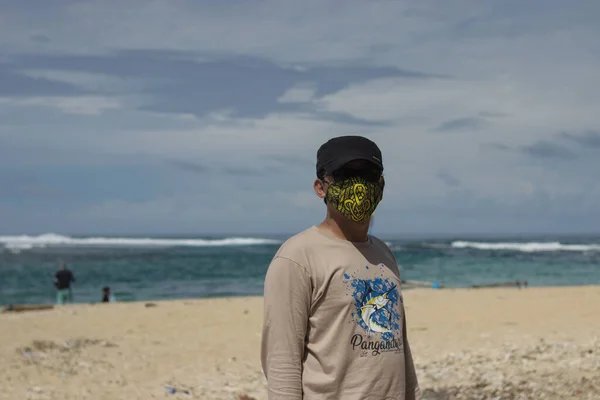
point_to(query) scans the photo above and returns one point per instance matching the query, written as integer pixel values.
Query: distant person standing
(62, 280)
(107, 296)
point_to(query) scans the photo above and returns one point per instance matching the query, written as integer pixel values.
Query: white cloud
(271, 27)
(529, 73)
(96, 82)
(241, 140)
(431, 102)
(298, 94)
(441, 36)
(82, 105)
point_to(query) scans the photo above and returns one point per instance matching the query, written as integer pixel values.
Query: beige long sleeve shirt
(334, 324)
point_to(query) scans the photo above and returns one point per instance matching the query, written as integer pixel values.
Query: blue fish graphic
(372, 305)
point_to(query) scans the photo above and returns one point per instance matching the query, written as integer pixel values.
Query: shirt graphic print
(377, 311)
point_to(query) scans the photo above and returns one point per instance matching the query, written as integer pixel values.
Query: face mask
(355, 198)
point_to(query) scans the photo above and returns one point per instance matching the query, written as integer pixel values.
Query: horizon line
(384, 235)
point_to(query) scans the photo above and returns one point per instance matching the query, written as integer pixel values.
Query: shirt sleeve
(287, 301)
(412, 385)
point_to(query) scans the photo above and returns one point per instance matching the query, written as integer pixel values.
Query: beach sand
(529, 343)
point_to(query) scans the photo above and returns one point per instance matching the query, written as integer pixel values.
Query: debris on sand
(245, 397)
(542, 371)
(68, 357)
(27, 307)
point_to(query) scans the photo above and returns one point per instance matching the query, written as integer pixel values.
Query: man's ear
(319, 187)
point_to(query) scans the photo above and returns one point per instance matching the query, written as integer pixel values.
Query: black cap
(338, 151)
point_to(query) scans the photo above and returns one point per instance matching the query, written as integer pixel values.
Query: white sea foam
(25, 242)
(528, 247)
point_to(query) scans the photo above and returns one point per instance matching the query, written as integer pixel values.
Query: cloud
(298, 94)
(491, 114)
(589, 139)
(448, 179)
(198, 168)
(196, 83)
(83, 105)
(548, 150)
(496, 146)
(434, 102)
(189, 166)
(298, 161)
(462, 124)
(245, 171)
(13, 84)
(99, 83)
(39, 38)
(99, 94)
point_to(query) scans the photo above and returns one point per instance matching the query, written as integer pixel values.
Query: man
(334, 324)
(62, 280)
(107, 296)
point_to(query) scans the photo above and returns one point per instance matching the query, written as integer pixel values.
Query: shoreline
(535, 342)
(528, 286)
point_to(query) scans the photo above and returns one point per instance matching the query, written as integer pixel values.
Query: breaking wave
(25, 242)
(528, 247)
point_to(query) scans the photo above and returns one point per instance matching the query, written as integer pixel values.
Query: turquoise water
(150, 269)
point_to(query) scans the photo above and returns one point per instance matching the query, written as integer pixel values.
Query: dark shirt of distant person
(107, 297)
(62, 280)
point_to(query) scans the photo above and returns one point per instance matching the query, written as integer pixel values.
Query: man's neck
(346, 230)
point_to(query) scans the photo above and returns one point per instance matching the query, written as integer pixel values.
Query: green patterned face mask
(355, 198)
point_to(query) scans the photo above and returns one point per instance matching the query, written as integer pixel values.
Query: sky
(204, 117)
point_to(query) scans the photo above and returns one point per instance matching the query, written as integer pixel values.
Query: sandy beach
(534, 343)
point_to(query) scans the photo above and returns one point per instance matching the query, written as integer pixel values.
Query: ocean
(151, 268)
